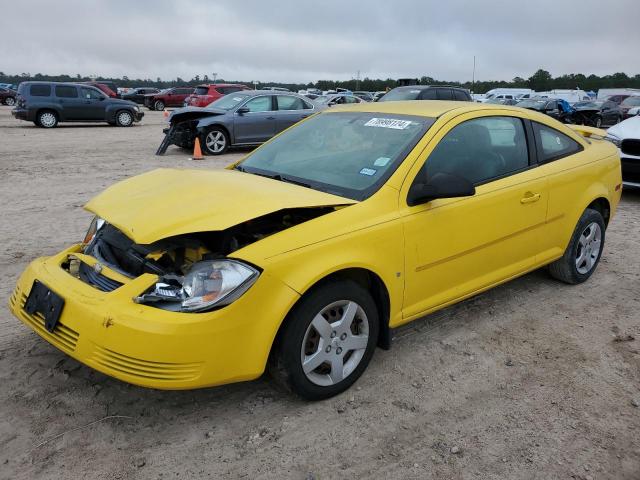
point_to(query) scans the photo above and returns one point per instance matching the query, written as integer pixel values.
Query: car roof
(420, 108)
(425, 87)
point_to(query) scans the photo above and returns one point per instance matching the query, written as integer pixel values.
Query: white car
(633, 111)
(629, 129)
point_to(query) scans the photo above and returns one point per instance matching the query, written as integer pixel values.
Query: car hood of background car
(630, 128)
(168, 202)
(193, 113)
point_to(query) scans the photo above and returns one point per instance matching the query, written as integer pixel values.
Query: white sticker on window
(381, 162)
(368, 171)
(388, 123)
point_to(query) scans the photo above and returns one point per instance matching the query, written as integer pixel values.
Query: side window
(479, 150)
(259, 104)
(66, 91)
(429, 94)
(91, 93)
(40, 90)
(352, 99)
(286, 102)
(227, 90)
(553, 145)
(444, 94)
(460, 96)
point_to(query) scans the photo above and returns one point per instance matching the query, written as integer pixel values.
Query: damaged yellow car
(302, 256)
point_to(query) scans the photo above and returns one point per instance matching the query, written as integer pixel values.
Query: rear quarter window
(552, 144)
(40, 90)
(66, 91)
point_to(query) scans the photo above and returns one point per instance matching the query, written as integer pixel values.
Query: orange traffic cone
(197, 151)
(165, 113)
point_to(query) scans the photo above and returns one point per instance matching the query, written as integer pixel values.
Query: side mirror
(440, 185)
(630, 146)
(242, 111)
(102, 98)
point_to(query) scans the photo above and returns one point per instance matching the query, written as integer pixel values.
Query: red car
(108, 88)
(170, 97)
(7, 96)
(205, 94)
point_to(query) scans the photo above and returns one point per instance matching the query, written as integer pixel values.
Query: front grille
(630, 170)
(63, 337)
(172, 372)
(97, 280)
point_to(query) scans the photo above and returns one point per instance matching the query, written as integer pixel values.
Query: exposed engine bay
(189, 266)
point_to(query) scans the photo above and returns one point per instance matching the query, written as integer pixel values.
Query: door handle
(271, 118)
(530, 197)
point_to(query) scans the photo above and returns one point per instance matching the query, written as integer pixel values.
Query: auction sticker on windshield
(388, 123)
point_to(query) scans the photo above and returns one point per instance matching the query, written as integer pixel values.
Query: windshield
(228, 102)
(201, 90)
(322, 99)
(401, 94)
(631, 101)
(350, 154)
(535, 104)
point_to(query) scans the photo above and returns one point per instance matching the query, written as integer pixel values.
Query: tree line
(541, 80)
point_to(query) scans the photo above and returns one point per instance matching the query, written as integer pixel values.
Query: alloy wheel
(48, 120)
(216, 141)
(125, 119)
(589, 245)
(334, 343)
(10, 101)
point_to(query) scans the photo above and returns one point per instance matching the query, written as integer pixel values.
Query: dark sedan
(597, 113)
(7, 96)
(237, 119)
(137, 94)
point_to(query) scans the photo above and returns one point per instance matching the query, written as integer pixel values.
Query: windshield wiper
(288, 180)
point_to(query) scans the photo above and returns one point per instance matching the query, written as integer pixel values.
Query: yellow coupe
(302, 256)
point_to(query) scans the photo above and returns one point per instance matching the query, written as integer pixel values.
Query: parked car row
(7, 96)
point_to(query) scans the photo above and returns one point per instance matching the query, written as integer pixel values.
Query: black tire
(47, 119)
(124, 118)
(10, 101)
(565, 268)
(211, 139)
(285, 363)
(158, 105)
(597, 122)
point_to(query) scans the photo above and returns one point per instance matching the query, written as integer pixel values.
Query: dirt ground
(532, 380)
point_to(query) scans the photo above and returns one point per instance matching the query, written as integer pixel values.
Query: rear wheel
(597, 122)
(584, 250)
(158, 105)
(124, 118)
(215, 141)
(47, 119)
(327, 341)
(10, 101)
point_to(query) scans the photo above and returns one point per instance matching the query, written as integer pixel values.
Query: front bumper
(137, 116)
(155, 348)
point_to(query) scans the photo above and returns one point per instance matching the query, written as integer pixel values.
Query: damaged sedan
(244, 118)
(300, 258)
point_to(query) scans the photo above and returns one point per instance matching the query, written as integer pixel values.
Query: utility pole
(473, 76)
(358, 80)
(214, 76)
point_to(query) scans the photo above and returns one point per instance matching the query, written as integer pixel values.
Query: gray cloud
(306, 41)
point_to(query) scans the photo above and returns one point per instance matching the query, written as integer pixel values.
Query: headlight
(615, 140)
(208, 284)
(136, 108)
(96, 224)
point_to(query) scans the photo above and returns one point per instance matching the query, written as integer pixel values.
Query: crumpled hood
(192, 113)
(168, 202)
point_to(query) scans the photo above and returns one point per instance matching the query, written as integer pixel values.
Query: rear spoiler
(588, 132)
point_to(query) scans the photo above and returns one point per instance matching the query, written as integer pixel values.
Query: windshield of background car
(631, 102)
(228, 102)
(536, 104)
(201, 90)
(401, 94)
(350, 154)
(593, 105)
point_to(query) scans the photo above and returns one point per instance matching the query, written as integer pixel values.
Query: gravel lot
(532, 380)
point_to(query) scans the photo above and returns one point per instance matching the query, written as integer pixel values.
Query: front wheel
(158, 105)
(10, 101)
(124, 118)
(584, 250)
(597, 122)
(327, 341)
(215, 141)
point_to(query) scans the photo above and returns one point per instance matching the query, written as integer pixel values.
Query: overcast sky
(300, 41)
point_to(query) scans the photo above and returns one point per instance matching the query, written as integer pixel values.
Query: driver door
(258, 124)
(455, 247)
(94, 103)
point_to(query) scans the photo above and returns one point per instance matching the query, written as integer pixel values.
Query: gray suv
(47, 103)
